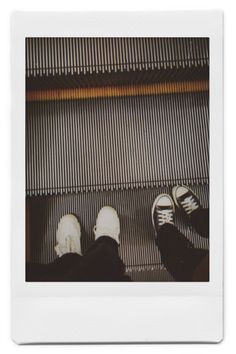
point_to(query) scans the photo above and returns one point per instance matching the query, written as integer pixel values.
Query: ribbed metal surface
(53, 63)
(116, 143)
(52, 56)
(149, 273)
(137, 249)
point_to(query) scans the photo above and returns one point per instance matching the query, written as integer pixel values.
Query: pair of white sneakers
(68, 234)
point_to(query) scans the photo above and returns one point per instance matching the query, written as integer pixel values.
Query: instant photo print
(117, 174)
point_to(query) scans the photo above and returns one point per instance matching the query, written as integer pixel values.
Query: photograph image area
(117, 159)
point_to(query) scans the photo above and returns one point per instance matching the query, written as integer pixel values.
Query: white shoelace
(165, 216)
(189, 204)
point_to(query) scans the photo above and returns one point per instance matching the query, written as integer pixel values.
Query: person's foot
(107, 224)
(68, 236)
(185, 199)
(162, 211)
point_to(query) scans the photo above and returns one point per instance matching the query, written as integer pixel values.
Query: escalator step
(67, 56)
(137, 246)
(116, 143)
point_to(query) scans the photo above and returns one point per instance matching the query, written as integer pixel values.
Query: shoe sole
(154, 204)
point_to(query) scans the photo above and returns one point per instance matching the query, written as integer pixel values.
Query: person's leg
(101, 262)
(177, 252)
(190, 204)
(201, 272)
(58, 270)
(69, 253)
(200, 221)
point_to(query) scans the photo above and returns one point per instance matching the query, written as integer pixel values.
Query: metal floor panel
(137, 249)
(116, 143)
(50, 56)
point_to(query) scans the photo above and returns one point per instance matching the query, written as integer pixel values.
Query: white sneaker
(107, 224)
(68, 236)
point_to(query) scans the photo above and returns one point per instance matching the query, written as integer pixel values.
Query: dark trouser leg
(178, 254)
(101, 262)
(201, 272)
(59, 270)
(200, 221)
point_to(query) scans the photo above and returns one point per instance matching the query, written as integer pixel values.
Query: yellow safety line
(118, 91)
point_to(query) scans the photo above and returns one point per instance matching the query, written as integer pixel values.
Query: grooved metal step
(116, 143)
(49, 55)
